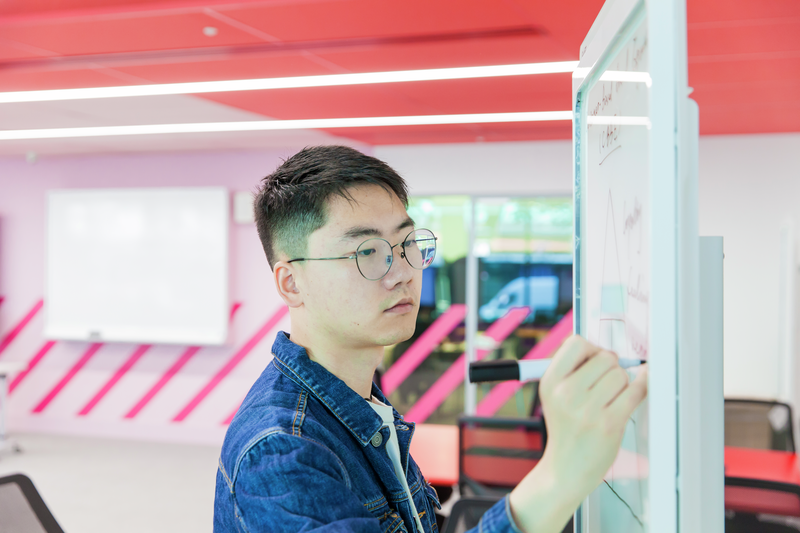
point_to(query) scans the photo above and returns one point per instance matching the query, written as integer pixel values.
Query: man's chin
(399, 335)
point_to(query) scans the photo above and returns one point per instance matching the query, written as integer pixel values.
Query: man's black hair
(291, 203)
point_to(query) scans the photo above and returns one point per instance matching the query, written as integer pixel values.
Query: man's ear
(286, 283)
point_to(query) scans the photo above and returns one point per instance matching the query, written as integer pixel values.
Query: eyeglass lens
(374, 256)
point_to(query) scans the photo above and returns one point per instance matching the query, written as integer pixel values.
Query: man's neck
(354, 366)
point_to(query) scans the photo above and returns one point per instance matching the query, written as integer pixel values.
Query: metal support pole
(6, 367)
(3, 400)
(470, 397)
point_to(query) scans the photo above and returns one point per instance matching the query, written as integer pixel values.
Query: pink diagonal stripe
(121, 371)
(501, 392)
(453, 376)
(422, 347)
(68, 377)
(31, 365)
(11, 335)
(170, 373)
(163, 380)
(231, 364)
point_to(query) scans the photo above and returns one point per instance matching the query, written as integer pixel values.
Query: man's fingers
(572, 354)
(608, 387)
(587, 375)
(633, 395)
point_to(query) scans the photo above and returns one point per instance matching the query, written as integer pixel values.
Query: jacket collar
(345, 404)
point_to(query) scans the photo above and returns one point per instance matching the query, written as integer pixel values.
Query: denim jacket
(306, 453)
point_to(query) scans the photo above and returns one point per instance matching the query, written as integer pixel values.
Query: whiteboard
(137, 265)
(637, 267)
(615, 266)
(626, 255)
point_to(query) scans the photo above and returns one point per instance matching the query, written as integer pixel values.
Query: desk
(6, 368)
(769, 465)
(434, 447)
(775, 485)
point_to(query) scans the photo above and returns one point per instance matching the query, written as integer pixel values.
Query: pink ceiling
(744, 56)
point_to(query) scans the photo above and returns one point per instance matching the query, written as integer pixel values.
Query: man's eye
(410, 243)
(366, 252)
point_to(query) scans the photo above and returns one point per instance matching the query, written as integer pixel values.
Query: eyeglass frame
(354, 256)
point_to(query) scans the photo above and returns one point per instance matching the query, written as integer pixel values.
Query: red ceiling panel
(125, 34)
(27, 80)
(567, 21)
(720, 72)
(499, 51)
(342, 19)
(328, 102)
(47, 7)
(13, 50)
(744, 56)
(529, 93)
(459, 134)
(778, 36)
(520, 93)
(715, 12)
(231, 68)
(748, 93)
(757, 117)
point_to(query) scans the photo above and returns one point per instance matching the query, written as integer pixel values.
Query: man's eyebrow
(363, 231)
(360, 231)
(407, 223)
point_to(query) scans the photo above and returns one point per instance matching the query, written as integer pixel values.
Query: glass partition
(524, 250)
(413, 367)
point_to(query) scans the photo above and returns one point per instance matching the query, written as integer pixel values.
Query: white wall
(23, 189)
(543, 167)
(749, 186)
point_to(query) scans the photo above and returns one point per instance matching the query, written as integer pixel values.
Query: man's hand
(587, 401)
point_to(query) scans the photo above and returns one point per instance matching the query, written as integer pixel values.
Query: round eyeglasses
(374, 256)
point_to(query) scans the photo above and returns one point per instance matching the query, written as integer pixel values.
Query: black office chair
(759, 424)
(466, 513)
(22, 509)
(758, 506)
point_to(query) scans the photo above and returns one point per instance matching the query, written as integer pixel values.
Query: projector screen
(137, 265)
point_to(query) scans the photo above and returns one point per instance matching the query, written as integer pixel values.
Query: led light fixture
(618, 121)
(614, 75)
(625, 76)
(522, 69)
(267, 125)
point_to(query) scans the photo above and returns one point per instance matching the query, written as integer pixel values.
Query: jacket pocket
(390, 519)
(431, 504)
(433, 497)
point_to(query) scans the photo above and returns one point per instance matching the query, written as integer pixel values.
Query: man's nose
(400, 270)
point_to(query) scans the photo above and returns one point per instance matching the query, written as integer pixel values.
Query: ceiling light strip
(460, 73)
(626, 76)
(618, 121)
(267, 125)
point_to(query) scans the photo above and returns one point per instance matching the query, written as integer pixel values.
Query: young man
(315, 445)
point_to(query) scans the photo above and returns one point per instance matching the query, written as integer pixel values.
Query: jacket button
(377, 439)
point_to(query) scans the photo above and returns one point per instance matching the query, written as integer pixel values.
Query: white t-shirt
(393, 449)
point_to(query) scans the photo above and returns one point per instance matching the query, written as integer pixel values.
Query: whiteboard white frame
(666, 29)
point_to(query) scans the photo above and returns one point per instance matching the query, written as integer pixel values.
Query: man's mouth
(403, 306)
